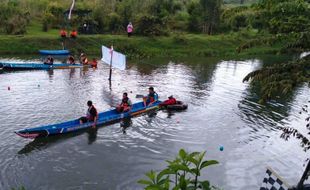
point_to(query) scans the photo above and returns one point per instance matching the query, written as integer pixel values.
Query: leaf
(182, 154)
(200, 158)
(205, 185)
(151, 175)
(193, 154)
(208, 163)
(183, 183)
(195, 171)
(145, 182)
(163, 173)
(179, 167)
(193, 161)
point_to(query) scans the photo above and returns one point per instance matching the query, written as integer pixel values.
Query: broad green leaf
(200, 157)
(151, 175)
(205, 185)
(208, 163)
(164, 172)
(182, 154)
(183, 183)
(145, 182)
(193, 161)
(193, 154)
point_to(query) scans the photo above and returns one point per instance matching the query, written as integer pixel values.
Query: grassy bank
(177, 45)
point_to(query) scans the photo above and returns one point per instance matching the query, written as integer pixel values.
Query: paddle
(140, 96)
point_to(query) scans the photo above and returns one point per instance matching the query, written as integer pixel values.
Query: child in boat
(94, 63)
(83, 59)
(49, 60)
(125, 105)
(150, 98)
(171, 101)
(71, 60)
(91, 114)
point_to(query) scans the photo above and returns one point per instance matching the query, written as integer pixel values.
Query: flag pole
(110, 75)
(304, 176)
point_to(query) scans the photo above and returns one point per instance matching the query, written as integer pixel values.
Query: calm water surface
(222, 111)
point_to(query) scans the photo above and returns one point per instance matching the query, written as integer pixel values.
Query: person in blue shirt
(150, 98)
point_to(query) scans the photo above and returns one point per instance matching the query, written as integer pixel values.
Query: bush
(151, 26)
(13, 20)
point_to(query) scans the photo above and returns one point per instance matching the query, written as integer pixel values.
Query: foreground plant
(182, 173)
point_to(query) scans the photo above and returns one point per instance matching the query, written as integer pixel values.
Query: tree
(211, 10)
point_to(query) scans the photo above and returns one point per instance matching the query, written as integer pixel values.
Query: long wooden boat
(38, 66)
(104, 118)
(54, 52)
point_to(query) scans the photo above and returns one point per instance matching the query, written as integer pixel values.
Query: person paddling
(49, 60)
(125, 105)
(171, 101)
(83, 59)
(71, 60)
(150, 98)
(91, 115)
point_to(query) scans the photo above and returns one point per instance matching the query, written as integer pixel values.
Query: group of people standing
(124, 106)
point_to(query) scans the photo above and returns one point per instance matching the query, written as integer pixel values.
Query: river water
(222, 111)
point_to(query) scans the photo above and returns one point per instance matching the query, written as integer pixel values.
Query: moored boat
(38, 66)
(106, 117)
(54, 52)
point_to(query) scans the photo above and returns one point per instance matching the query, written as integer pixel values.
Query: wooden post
(110, 75)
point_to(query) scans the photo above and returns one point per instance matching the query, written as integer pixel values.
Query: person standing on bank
(129, 29)
(91, 115)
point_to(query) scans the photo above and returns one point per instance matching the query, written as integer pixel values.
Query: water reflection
(125, 123)
(92, 135)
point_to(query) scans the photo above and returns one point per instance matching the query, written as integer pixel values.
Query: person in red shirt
(171, 101)
(94, 63)
(73, 34)
(125, 105)
(63, 33)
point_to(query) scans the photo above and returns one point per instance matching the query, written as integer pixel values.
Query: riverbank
(176, 45)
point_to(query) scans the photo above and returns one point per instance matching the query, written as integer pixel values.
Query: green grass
(176, 45)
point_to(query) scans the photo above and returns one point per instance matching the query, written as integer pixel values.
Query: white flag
(118, 59)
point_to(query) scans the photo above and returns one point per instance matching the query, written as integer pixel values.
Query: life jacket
(73, 34)
(94, 63)
(125, 102)
(89, 116)
(171, 101)
(151, 96)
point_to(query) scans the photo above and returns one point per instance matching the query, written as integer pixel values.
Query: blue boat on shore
(54, 52)
(104, 118)
(38, 66)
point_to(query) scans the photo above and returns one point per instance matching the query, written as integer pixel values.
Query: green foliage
(150, 26)
(181, 173)
(13, 20)
(281, 78)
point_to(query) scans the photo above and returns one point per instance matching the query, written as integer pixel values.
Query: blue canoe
(54, 52)
(38, 66)
(106, 117)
